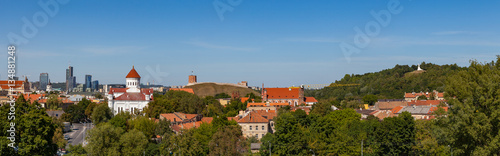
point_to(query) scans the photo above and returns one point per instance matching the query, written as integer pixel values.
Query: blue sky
(279, 43)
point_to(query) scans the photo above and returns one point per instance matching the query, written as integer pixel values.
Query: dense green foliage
(174, 101)
(34, 129)
(473, 123)
(390, 83)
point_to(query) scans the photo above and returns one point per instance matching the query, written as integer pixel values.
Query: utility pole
(269, 148)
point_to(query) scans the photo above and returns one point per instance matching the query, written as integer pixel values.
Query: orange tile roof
(244, 99)
(282, 93)
(232, 118)
(396, 109)
(391, 104)
(440, 95)
(189, 90)
(4, 84)
(256, 104)
(310, 99)
(207, 119)
(253, 118)
(411, 95)
(178, 117)
(432, 109)
(279, 104)
(269, 114)
(31, 97)
(133, 74)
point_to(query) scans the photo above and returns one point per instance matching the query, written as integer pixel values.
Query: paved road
(78, 133)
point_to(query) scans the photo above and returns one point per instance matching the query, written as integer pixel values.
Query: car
(66, 137)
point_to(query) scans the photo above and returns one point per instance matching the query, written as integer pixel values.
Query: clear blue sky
(279, 43)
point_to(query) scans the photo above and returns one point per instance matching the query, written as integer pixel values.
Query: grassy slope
(389, 83)
(211, 89)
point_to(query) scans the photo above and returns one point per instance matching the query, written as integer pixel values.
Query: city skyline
(268, 42)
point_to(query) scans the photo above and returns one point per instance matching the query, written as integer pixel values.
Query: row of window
(257, 127)
(132, 83)
(257, 135)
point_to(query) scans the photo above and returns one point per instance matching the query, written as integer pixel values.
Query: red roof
(256, 104)
(133, 74)
(207, 119)
(132, 97)
(424, 102)
(432, 109)
(4, 84)
(279, 104)
(253, 117)
(189, 90)
(31, 97)
(144, 91)
(397, 109)
(282, 93)
(244, 99)
(269, 114)
(310, 99)
(179, 117)
(414, 95)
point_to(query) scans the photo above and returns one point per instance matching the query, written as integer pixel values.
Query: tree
(473, 120)
(58, 138)
(104, 139)
(36, 132)
(321, 108)
(370, 99)
(53, 102)
(90, 109)
(120, 120)
(339, 132)
(174, 101)
(163, 127)
(101, 113)
(133, 143)
(145, 125)
(77, 150)
(184, 144)
(222, 96)
(286, 140)
(422, 97)
(227, 141)
(396, 135)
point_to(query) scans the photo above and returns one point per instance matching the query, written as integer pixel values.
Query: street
(78, 133)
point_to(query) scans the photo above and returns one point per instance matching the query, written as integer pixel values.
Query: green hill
(211, 89)
(389, 83)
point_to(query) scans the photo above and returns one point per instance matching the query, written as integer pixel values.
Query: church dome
(133, 74)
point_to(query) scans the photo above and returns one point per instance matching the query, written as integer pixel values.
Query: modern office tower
(95, 85)
(70, 79)
(88, 82)
(44, 81)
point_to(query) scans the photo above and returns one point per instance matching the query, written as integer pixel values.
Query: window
(256, 135)
(250, 127)
(262, 127)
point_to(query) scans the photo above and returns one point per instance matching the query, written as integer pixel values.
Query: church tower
(133, 81)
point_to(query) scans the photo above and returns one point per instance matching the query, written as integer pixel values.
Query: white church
(131, 99)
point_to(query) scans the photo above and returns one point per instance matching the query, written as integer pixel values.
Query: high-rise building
(88, 82)
(70, 79)
(95, 85)
(44, 81)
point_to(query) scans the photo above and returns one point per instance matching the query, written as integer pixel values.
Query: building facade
(95, 85)
(131, 99)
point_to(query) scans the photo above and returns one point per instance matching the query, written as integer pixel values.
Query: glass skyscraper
(44, 81)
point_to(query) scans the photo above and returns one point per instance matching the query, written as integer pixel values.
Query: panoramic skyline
(271, 42)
